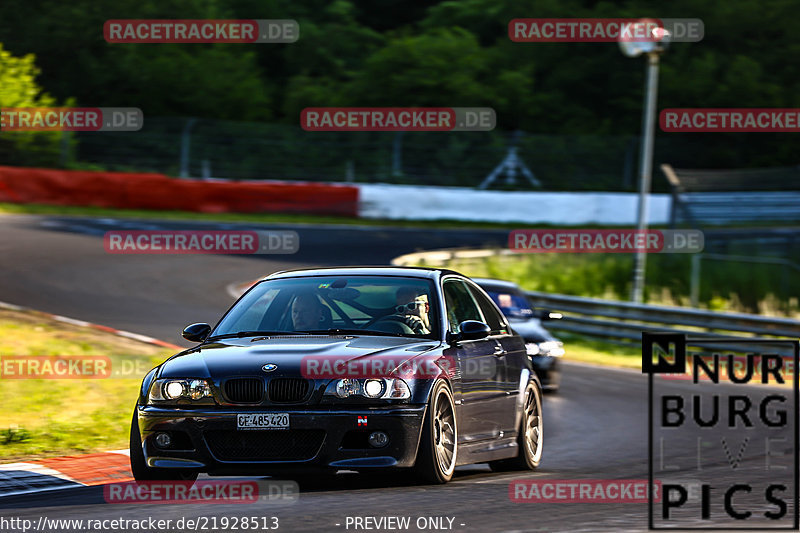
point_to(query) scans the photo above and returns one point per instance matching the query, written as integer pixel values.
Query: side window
(460, 304)
(493, 317)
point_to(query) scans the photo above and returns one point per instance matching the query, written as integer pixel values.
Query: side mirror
(196, 332)
(471, 330)
(544, 314)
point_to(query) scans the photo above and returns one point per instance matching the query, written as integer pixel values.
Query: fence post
(65, 137)
(397, 154)
(627, 171)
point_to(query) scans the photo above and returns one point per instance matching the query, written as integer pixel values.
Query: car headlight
(173, 390)
(546, 348)
(374, 388)
(347, 387)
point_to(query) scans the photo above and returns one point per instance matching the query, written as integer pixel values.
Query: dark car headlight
(164, 391)
(375, 388)
(545, 348)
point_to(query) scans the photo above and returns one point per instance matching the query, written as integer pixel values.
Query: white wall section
(561, 208)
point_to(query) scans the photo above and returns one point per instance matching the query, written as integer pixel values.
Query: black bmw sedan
(344, 368)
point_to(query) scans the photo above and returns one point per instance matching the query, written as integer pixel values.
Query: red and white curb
(56, 473)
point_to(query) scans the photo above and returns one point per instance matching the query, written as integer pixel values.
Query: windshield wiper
(240, 334)
(356, 331)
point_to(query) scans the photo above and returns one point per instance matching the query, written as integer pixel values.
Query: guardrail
(624, 322)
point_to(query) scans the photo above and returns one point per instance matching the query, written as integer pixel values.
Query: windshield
(368, 305)
(512, 304)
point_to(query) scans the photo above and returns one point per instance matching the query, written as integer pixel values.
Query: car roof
(413, 272)
(496, 284)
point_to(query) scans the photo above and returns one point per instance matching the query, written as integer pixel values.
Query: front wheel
(139, 468)
(436, 459)
(530, 438)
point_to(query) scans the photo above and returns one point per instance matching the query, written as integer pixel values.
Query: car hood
(531, 330)
(243, 357)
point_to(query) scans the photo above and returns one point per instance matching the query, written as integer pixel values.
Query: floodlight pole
(645, 172)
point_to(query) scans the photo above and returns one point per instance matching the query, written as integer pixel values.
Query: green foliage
(18, 88)
(14, 434)
(437, 53)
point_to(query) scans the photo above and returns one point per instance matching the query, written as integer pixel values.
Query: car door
(480, 394)
(510, 356)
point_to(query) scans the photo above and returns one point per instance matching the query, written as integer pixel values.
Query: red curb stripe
(167, 345)
(93, 468)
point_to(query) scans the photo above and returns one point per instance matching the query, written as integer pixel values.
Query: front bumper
(207, 440)
(549, 371)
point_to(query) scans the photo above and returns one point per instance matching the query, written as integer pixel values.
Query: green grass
(256, 218)
(51, 417)
(582, 350)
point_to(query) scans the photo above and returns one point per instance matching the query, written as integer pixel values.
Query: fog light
(378, 439)
(163, 440)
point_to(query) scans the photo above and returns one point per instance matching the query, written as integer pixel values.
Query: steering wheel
(395, 325)
(377, 319)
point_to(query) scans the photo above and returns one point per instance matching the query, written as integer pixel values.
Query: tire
(438, 447)
(530, 438)
(139, 468)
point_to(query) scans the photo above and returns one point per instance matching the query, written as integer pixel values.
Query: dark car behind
(544, 349)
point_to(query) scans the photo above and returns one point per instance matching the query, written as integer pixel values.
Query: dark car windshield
(513, 304)
(369, 305)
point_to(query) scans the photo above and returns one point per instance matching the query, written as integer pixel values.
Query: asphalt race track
(595, 428)
(59, 265)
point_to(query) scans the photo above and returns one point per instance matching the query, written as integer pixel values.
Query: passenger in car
(413, 308)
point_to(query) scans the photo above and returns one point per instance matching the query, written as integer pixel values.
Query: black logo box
(664, 341)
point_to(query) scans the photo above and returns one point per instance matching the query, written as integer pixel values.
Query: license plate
(263, 421)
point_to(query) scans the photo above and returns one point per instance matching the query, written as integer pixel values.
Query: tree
(18, 88)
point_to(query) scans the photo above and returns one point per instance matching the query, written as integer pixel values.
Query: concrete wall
(431, 203)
